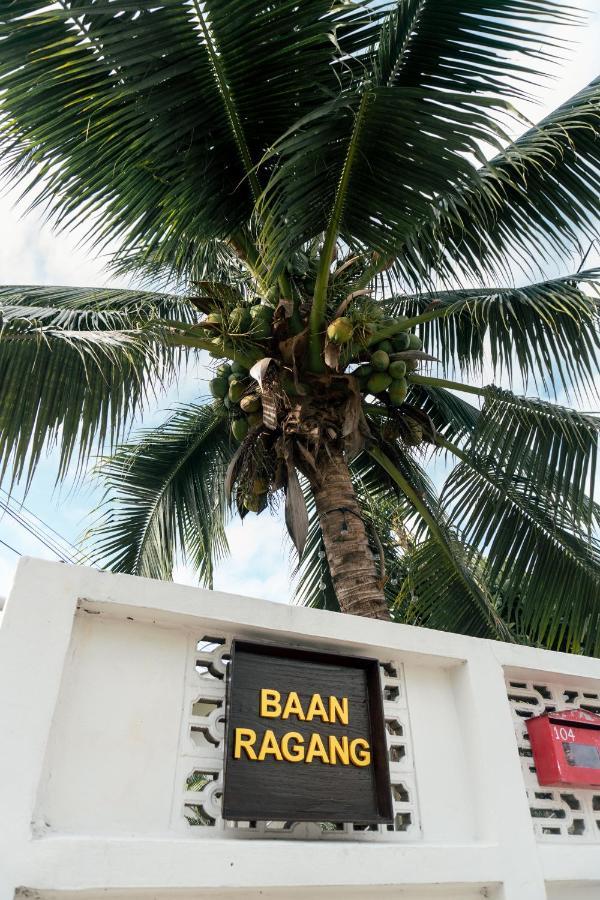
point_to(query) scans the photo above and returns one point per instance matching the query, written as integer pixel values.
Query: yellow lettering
(338, 710)
(245, 738)
(338, 747)
(269, 746)
(270, 707)
(317, 708)
(316, 748)
(362, 758)
(293, 707)
(295, 753)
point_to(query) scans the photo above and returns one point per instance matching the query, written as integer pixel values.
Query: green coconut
(262, 311)
(380, 361)
(398, 390)
(240, 320)
(340, 330)
(261, 329)
(254, 419)
(411, 365)
(260, 486)
(415, 342)
(401, 341)
(386, 346)
(224, 370)
(250, 403)
(397, 369)
(236, 391)
(238, 369)
(378, 383)
(363, 371)
(214, 318)
(239, 429)
(218, 388)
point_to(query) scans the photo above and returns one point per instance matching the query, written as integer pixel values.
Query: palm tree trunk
(356, 581)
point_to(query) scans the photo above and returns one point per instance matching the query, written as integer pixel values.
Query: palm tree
(318, 194)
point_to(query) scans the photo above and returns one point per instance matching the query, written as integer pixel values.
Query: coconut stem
(445, 383)
(408, 324)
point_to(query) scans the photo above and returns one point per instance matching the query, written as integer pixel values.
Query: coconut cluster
(242, 323)
(239, 393)
(380, 368)
(383, 366)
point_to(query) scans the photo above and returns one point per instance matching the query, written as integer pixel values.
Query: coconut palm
(329, 198)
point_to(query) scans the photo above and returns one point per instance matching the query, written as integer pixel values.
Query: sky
(30, 253)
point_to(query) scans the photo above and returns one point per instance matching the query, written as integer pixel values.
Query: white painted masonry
(108, 704)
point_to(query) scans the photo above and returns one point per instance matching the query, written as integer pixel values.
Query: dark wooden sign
(305, 737)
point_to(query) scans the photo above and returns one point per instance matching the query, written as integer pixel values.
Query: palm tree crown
(320, 194)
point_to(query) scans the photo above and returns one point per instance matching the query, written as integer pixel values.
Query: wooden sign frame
(274, 790)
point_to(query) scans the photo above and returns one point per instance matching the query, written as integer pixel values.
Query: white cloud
(259, 565)
(31, 253)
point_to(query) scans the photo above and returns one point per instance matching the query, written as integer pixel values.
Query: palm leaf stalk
(320, 195)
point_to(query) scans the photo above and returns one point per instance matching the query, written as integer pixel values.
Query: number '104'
(563, 734)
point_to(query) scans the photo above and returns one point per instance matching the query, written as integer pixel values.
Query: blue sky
(31, 254)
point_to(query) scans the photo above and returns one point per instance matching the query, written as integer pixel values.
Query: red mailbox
(566, 748)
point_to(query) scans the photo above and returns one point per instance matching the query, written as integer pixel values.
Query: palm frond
(452, 417)
(145, 123)
(89, 309)
(432, 593)
(178, 267)
(552, 448)
(76, 366)
(165, 497)
(470, 45)
(548, 331)
(545, 568)
(313, 582)
(369, 163)
(477, 607)
(117, 110)
(533, 203)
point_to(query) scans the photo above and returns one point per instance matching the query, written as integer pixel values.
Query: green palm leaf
(93, 308)
(472, 603)
(553, 448)
(534, 203)
(165, 497)
(76, 366)
(452, 417)
(467, 45)
(150, 120)
(432, 593)
(127, 126)
(368, 165)
(549, 331)
(550, 571)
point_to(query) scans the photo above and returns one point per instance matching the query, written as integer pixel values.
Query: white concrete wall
(97, 681)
